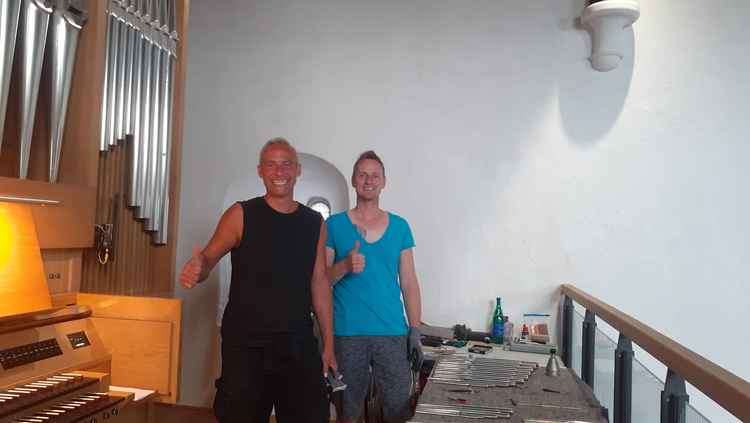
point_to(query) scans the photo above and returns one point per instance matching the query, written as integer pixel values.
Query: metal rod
(164, 145)
(560, 407)
(623, 380)
(134, 146)
(29, 200)
(589, 345)
(36, 16)
(476, 379)
(567, 332)
(161, 153)
(67, 21)
(483, 366)
(114, 32)
(122, 47)
(131, 34)
(475, 384)
(145, 128)
(478, 360)
(10, 12)
(103, 140)
(162, 233)
(466, 407)
(674, 399)
(464, 414)
(155, 99)
(163, 230)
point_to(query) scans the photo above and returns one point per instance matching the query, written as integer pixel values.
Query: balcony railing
(623, 384)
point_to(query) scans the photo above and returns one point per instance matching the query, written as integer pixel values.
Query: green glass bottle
(497, 323)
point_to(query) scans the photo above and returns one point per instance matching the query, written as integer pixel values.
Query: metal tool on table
(553, 366)
(465, 411)
(480, 349)
(555, 406)
(35, 17)
(10, 12)
(471, 371)
(554, 421)
(67, 21)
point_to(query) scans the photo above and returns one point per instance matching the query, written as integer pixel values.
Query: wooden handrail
(724, 387)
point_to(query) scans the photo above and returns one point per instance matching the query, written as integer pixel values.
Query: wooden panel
(126, 271)
(67, 225)
(727, 389)
(140, 351)
(134, 311)
(23, 287)
(91, 356)
(62, 268)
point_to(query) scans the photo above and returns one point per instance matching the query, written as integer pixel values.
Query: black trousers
(280, 371)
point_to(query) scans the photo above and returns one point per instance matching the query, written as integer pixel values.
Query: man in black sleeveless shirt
(269, 355)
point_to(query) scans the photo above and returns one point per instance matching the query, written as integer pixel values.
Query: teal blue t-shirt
(369, 303)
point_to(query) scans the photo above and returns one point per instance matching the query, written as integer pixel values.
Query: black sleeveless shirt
(271, 272)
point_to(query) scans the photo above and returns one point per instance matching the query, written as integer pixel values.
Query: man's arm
(410, 288)
(322, 303)
(354, 262)
(227, 235)
(413, 304)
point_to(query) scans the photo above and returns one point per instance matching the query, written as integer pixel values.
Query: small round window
(320, 205)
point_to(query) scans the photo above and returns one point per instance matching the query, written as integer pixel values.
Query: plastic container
(538, 325)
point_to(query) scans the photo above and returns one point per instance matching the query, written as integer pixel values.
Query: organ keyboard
(54, 369)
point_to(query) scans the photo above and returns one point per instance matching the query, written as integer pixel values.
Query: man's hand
(414, 348)
(329, 361)
(355, 262)
(193, 269)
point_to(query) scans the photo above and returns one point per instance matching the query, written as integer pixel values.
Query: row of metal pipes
(30, 22)
(137, 105)
(141, 50)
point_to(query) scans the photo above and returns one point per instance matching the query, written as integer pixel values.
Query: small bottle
(507, 331)
(498, 323)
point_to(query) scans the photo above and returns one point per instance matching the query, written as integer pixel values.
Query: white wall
(517, 165)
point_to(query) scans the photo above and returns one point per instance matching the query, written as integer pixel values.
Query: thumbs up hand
(355, 262)
(193, 269)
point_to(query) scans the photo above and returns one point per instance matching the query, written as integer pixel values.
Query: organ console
(44, 357)
(58, 364)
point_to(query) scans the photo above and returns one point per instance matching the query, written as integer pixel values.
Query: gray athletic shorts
(387, 356)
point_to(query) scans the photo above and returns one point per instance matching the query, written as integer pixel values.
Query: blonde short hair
(277, 142)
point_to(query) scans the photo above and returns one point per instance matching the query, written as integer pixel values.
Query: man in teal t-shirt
(370, 265)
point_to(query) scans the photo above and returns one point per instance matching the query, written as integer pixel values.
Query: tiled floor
(165, 413)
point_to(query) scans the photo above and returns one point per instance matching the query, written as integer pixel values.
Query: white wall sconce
(606, 21)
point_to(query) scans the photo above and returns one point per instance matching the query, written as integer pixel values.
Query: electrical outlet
(57, 275)
(62, 269)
